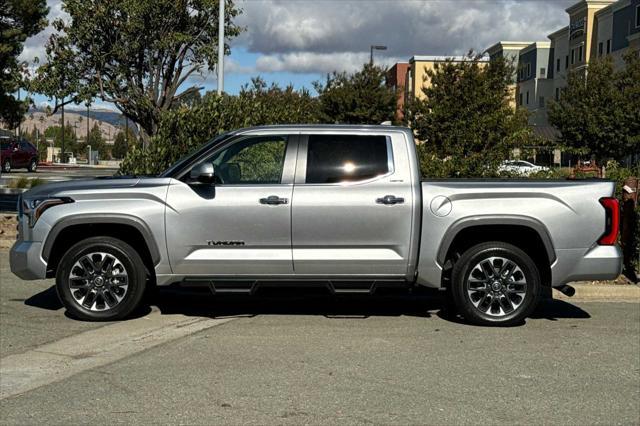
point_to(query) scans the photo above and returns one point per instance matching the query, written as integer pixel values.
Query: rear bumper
(596, 263)
(26, 261)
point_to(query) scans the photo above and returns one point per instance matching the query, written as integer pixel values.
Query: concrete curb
(602, 292)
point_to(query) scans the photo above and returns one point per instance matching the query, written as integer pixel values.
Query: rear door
(352, 206)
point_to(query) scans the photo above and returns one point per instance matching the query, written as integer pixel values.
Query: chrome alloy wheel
(98, 281)
(496, 286)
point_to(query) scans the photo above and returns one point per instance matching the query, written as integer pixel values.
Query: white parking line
(64, 358)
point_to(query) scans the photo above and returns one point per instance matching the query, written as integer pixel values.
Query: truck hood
(83, 186)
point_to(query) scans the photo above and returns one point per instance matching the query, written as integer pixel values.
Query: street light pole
(221, 48)
(375, 47)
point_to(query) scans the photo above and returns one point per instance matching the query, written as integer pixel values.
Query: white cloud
(322, 35)
(34, 47)
(315, 36)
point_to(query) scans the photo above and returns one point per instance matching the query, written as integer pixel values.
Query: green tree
(121, 144)
(185, 128)
(598, 114)
(465, 123)
(136, 54)
(359, 98)
(19, 19)
(70, 139)
(96, 141)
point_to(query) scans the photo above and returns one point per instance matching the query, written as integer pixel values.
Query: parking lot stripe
(64, 358)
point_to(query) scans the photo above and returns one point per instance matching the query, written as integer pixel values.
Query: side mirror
(203, 173)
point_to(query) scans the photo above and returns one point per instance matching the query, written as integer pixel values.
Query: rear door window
(347, 158)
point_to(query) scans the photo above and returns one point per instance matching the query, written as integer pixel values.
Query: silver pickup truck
(343, 206)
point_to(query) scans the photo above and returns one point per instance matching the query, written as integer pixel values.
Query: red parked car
(18, 154)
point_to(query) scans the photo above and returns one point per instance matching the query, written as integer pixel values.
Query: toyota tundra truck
(340, 206)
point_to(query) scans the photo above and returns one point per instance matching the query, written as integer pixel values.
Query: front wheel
(495, 283)
(101, 279)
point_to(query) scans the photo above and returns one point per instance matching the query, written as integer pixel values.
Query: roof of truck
(312, 127)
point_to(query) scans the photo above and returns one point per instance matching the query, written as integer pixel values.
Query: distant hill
(110, 122)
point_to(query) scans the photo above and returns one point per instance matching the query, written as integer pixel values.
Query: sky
(299, 41)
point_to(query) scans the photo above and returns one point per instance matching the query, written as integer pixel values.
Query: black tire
(125, 256)
(497, 301)
(6, 165)
(33, 165)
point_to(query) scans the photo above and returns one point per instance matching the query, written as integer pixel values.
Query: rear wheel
(33, 165)
(6, 165)
(101, 279)
(495, 283)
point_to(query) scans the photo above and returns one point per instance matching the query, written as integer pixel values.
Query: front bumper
(26, 261)
(596, 263)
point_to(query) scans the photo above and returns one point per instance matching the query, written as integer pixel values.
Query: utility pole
(19, 132)
(87, 140)
(63, 159)
(126, 130)
(221, 48)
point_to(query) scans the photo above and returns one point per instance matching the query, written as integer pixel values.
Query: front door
(352, 208)
(239, 226)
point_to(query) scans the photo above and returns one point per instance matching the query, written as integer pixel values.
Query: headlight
(34, 208)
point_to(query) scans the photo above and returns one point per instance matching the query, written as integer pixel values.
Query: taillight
(612, 221)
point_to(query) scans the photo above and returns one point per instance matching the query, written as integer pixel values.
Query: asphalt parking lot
(305, 357)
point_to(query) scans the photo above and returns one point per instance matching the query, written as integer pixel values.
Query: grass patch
(25, 183)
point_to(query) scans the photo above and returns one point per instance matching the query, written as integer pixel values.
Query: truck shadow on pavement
(308, 301)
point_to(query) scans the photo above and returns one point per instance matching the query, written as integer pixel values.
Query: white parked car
(520, 167)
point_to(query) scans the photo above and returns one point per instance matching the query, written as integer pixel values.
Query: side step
(249, 287)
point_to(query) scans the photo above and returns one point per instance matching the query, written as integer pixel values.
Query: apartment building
(535, 80)
(396, 79)
(417, 78)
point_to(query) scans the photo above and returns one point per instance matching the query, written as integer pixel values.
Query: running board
(249, 287)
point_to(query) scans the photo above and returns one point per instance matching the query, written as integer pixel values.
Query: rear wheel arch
(69, 231)
(527, 234)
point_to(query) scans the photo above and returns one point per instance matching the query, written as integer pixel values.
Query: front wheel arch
(68, 232)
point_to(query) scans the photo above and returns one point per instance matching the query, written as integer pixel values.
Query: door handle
(274, 200)
(390, 200)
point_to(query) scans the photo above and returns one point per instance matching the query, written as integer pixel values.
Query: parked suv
(18, 154)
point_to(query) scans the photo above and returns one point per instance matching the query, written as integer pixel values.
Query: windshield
(4, 145)
(192, 156)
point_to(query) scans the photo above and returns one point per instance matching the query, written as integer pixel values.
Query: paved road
(309, 358)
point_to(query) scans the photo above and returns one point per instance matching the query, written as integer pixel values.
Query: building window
(528, 70)
(600, 49)
(543, 72)
(557, 93)
(573, 56)
(558, 64)
(541, 102)
(566, 62)
(520, 98)
(580, 54)
(638, 16)
(527, 97)
(608, 46)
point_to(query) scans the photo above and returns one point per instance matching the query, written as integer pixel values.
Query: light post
(221, 48)
(375, 47)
